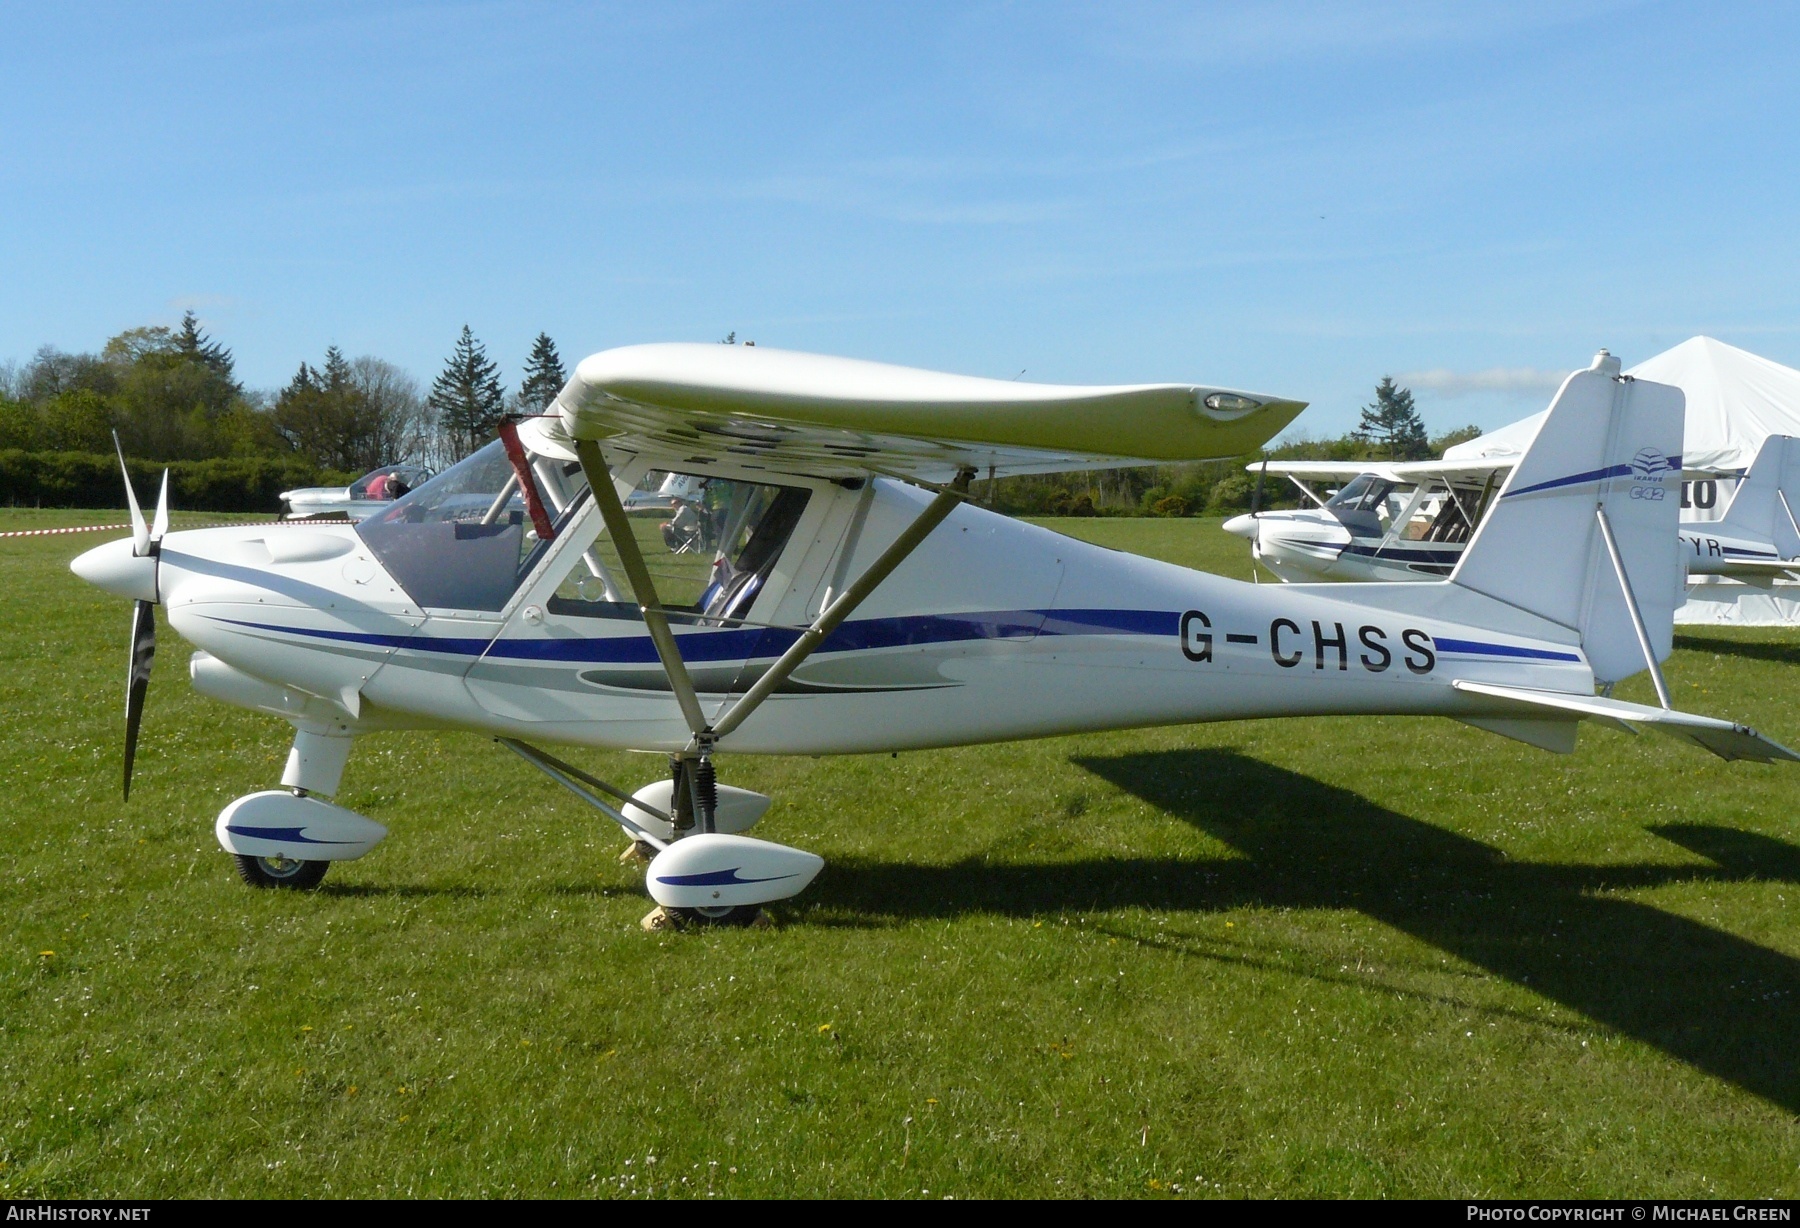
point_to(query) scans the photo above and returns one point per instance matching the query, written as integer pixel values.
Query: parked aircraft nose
(1243, 526)
(116, 569)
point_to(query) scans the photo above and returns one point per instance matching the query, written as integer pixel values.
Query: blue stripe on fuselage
(1408, 554)
(738, 644)
(1473, 648)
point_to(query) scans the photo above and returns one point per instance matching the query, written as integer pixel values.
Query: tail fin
(1609, 444)
(1767, 501)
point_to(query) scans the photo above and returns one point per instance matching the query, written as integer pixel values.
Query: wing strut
(841, 607)
(642, 587)
(846, 602)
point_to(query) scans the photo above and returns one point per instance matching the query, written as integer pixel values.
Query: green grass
(1317, 957)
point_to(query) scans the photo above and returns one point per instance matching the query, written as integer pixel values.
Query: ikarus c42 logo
(1647, 470)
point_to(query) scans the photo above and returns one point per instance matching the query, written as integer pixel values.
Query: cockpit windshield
(465, 539)
(1368, 504)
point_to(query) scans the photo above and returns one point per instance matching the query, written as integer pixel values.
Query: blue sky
(1290, 197)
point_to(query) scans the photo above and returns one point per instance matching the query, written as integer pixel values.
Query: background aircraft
(1412, 520)
(367, 495)
(852, 600)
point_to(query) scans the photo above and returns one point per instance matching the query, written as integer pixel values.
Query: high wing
(756, 407)
(1456, 473)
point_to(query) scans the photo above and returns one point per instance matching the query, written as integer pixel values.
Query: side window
(708, 543)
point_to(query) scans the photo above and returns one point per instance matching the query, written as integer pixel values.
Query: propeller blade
(162, 511)
(140, 532)
(137, 679)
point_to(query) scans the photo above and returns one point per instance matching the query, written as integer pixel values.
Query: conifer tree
(1392, 423)
(196, 346)
(336, 372)
(467, 396)
(544, 376)
(305, 380)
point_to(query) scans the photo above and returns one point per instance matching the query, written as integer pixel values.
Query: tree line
(172, 394)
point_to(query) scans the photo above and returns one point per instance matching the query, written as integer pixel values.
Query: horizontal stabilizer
(1556, 735)
(1723, 738)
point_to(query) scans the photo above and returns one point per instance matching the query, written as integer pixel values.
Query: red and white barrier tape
(86, 528)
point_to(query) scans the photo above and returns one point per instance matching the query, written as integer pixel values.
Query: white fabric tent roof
(1735, 400)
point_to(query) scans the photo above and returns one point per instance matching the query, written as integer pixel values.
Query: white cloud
(1517, 380)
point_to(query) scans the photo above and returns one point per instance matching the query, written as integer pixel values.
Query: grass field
(1318, 957)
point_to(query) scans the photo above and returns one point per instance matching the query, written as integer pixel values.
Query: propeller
(137, 679)
(140, 532)
(146, 540)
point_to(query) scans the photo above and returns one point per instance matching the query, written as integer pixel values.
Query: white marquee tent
(1735, 400)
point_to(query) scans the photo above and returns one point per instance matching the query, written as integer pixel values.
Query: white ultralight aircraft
(850, 599)
(367, 495)
(1412, 520)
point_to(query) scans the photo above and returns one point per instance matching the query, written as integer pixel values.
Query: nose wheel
(733, 917)
(280, 872)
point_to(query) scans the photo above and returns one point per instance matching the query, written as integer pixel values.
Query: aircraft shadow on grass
(1724, 1005)
(1781, 654)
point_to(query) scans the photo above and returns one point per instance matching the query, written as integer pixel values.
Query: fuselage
(992, 630)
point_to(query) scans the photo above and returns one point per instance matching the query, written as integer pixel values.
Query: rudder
(1611, 443)
(1767, 500)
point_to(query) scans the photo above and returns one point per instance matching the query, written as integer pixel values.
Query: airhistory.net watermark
(62, 1213)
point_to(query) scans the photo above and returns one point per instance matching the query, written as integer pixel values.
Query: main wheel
(737, 914)
(280, 872)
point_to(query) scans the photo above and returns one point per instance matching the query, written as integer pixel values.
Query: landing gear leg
(694, 798)
(699, 876)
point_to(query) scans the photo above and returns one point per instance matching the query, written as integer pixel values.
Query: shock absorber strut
(706, 792)
(695, 799)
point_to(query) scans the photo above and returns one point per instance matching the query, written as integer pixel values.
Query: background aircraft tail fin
(1767, 502)
(1609, 444)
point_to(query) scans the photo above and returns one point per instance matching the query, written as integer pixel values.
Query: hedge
(91, 479)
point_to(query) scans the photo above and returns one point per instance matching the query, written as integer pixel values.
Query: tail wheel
(280, 872)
